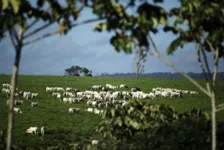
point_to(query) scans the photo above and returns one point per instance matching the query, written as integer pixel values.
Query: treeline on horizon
(220, 75)
(169, 75)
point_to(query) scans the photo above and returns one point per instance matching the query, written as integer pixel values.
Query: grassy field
(62, 127)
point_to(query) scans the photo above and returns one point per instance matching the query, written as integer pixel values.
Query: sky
(86, 48)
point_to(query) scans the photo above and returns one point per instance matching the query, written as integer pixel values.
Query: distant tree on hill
(77, 71)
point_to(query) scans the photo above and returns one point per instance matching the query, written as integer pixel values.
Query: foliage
(155, 127)
(189, 130)
(205, 23)
(131, 31)
(199, 21)
(21, 12)
(77, 70)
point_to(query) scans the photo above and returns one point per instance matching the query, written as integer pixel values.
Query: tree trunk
(11, 100)
(137, 76)
(213, 99)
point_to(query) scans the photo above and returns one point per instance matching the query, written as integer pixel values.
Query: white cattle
(34, 104)
(193, 92)
(68, 89)
(89, 109)
(27, 95)
(96, 87)
(60, 89)
(34, 95)
(49, 89)
(42, 131)
(17, 110)
(6, 85)
(95, 142)
(65, 100)
(165, 94)
(73, 110)
(6, 91)
(18, 102)
(123, 86)
(32, 130)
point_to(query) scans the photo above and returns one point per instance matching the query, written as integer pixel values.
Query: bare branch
(12, 39)
(56, 31)
(37, 30)
(219, 109)
(31, 24)
(220, 105)
(206, 62)
(157, 54)
(15, 34)
(216, 61)
(198, 48)
(48, 24)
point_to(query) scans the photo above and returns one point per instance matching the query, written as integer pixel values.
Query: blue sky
(86, 48)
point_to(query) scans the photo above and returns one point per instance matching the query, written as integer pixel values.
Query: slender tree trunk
(11, 101)
(213, 121)
(137, 76)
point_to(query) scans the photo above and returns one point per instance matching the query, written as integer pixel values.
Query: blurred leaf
(5, 4)
(174, 45)
(15, 5)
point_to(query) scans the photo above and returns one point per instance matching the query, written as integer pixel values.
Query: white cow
(42, 131)
(17, 110)
(73, 110)
(95, 142)
(32, 130)
(34, 104)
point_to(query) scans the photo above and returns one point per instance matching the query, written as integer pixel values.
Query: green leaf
(207, 116)
(119, 121)
(112, 112)
(155, 21)
(163, 21)
(15, 5)
(179, 42)
(5, 4)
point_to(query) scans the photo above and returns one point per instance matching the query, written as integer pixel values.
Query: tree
(18, 17)
(77, 71)
(140, 59)
(86, 72)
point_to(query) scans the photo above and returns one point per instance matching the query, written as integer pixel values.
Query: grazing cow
(95, 142)
(17, 110)
(32, 130)
(135, 89)
(34, 104)
(73, 110)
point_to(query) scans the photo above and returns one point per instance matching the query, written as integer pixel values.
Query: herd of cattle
(97, 97)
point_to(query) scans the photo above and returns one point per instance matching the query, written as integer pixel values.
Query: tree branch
(15, 35)
(206, 62)
(12, 39)
(198, 48)
(38, 29)
(157, 54)
(48, 24)
(31, 24)
(219, 109)
(56, 31)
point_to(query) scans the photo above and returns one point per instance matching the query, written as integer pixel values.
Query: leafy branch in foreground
(204, 28)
